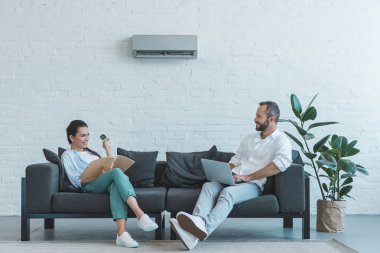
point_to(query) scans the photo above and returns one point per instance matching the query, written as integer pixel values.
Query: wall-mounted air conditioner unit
(164, 46)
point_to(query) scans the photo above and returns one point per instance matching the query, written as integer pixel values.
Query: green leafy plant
(329, 164)
(339, 171)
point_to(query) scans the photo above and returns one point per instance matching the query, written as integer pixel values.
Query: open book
(96, 168)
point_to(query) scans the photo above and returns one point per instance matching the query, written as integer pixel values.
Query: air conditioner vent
(164, 46)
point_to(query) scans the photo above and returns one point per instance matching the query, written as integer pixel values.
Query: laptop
(218, 172)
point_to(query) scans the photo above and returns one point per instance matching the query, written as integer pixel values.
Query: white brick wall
(63, 60)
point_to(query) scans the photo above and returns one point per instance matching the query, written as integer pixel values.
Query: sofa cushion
(64, 183)
(185, 169)
(263, 205)
(151, 200)
(141, 173)
(181, 199)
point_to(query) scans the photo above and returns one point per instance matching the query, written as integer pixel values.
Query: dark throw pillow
(296, 157)
(141, 173)
(60, 152)
(64, 183)
(184, 170)
(224, 156)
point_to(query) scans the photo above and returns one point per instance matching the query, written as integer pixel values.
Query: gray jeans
(216, 201)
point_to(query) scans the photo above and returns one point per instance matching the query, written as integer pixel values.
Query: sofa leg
(306, 228)
(163, 219)
(49, 223)
(25, 228)
(172, 234)
(158, 218)
(306, 215)
(288, 222)
(25, 221)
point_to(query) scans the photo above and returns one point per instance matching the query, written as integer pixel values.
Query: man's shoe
(126, 240)
(187, 239)
(192, 224)
(146, 224)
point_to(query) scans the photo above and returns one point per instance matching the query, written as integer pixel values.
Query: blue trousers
(216, 201)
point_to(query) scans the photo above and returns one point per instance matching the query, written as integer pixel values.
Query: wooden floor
(362, 232)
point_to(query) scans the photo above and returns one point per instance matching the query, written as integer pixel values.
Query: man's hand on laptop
(244, 178)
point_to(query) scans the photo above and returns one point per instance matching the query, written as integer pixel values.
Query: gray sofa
(286, 196)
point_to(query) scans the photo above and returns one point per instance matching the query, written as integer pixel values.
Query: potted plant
(332, 170)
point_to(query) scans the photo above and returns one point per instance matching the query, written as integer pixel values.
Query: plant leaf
(352, 144)
(347, 166)
(320, 143)
(361, 169)
(324, 186)
(300, 130)
(323, 149)
(334, 152)
(336, 142)
(310, 114)
(308, 174)
(321, 124)
(311, 156)
(344, 145)
(345, 175)
(347, 181)
(352, 152)
(283, 120)
(327, 161)
(296, 105)
(312, 101)
(294, 139)
(329, 172)
(345, 190)
(309, 136)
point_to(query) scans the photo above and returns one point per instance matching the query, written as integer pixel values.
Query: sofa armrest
(41, 183)
(290, 189)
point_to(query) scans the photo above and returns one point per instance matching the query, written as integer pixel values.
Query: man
(260, 155)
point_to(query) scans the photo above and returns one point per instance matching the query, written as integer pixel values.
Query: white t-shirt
(75, 162)
(255, 153)
(87, 156)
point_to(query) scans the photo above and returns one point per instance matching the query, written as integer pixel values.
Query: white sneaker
(187, 239)
(126, 240)
(146, 224)
(192, 224)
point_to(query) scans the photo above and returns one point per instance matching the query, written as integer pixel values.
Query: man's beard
(263, 126)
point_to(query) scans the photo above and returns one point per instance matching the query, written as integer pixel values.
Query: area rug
(307, 246)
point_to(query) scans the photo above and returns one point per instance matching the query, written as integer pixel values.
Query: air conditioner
(164, 46)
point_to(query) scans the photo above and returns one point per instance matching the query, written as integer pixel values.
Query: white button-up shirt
(255, 153)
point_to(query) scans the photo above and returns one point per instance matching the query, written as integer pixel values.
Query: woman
(112, 181)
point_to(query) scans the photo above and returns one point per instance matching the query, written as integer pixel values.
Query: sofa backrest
(269, 187)
(158, 172)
